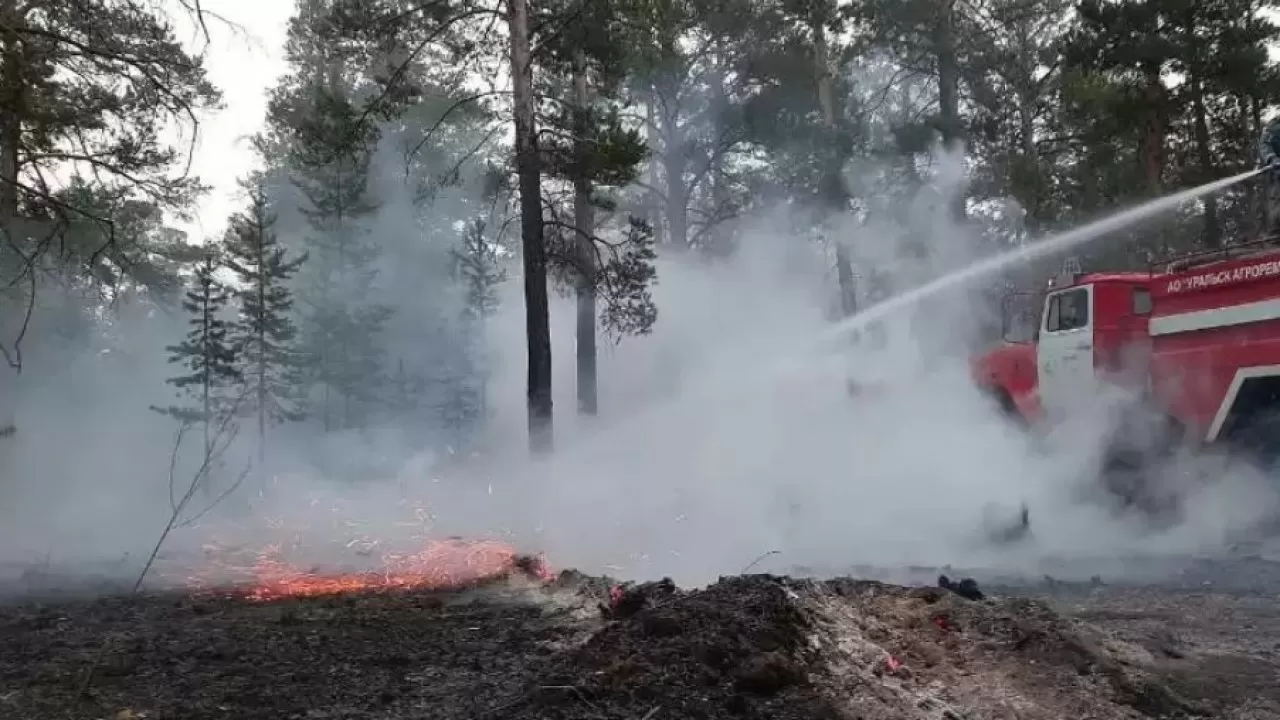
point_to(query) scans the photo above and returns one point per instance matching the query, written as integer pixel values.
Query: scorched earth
(520, 642)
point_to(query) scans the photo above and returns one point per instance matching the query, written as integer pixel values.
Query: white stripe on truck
(1215, 317)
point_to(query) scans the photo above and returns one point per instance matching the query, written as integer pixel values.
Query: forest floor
(755, 646)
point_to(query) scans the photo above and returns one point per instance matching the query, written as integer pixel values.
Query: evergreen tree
(478, 268)
(211, 383)
(592, 150)
(341, 325)
(264, 334)
(321, 137)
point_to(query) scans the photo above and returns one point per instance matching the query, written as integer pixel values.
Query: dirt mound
(893, 652)
(746, 647)
(740, 648)
(770, 647)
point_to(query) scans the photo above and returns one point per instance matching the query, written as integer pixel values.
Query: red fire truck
(1198, 339)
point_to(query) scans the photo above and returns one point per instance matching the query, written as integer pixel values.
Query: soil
(1219, 646)
(754, 646)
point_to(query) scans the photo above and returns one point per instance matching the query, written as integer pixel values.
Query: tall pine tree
(320, 135)
(211, 382)
(478, 269)
(593, 150)
(341, 324)
(264, 334)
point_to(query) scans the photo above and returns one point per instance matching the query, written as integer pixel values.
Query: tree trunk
(1212, 235)
(1212, 228)
(1034, 195)
(833, 184)
(1154, 128)
(262, 339)
(584, 227)
(674, 165)
(326, 400)
(718, 239)
(1256, 191)
(537, 323)
(652, 140)
(949, 92)
(206, 387)
(11, 104)
(262, 407)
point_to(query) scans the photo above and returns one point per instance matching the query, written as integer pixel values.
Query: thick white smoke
(722, 437)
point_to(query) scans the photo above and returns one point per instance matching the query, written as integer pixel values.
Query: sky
(244, 62)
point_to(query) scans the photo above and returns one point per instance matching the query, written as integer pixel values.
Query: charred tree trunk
(528, 168)
(584, 230)
(834, 198)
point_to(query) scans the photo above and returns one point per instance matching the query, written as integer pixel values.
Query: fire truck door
(1064, 354)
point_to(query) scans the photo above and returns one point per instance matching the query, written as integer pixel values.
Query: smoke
(86, 467)
(723, 436)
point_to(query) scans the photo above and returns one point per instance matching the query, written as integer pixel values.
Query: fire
(416, 558)
(453, 563)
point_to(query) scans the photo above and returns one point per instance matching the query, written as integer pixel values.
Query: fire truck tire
(1133, 466)
(1008, 409)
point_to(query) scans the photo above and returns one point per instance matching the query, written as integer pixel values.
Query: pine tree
(341, 324)
(320, 134)
(264, 334)
(593, 150)
(212, 380)
(478, 268)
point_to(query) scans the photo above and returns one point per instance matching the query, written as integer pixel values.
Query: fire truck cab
(1199, 340)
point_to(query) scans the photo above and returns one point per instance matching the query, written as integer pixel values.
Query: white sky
(244, 66)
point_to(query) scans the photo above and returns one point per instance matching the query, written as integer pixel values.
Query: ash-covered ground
(755, 646)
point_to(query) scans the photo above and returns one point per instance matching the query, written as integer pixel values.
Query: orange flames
(443, 564)
(277, 570)
(448, 564)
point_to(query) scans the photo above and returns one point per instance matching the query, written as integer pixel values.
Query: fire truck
(1197, 339)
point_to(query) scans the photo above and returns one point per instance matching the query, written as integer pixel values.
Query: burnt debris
(966, 588)
(627, 600)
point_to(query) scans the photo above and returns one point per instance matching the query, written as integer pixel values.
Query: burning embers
(449, 564)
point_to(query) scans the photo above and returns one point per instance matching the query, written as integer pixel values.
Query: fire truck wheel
(1134, 466)
(1006, 407)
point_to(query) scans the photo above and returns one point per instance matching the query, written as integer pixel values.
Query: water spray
(1052, 244)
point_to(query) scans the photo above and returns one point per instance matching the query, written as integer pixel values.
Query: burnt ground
(746, 647)
(1222, 647)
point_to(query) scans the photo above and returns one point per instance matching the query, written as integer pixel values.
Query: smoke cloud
(724, 436)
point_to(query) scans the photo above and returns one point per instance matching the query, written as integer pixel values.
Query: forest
(420, 157)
